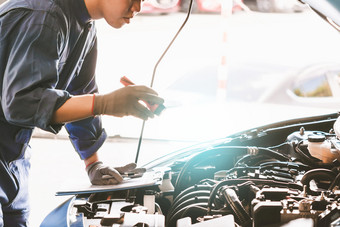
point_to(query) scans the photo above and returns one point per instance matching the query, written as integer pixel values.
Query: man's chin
(117, 25)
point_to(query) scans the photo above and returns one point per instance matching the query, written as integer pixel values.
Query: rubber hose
(320, 174)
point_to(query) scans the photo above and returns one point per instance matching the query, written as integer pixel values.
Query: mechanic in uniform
(48, 51)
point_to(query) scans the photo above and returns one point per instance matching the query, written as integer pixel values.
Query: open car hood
(277, 174)
(329, 10)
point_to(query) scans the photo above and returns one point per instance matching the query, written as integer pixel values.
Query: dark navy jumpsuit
(48, 51)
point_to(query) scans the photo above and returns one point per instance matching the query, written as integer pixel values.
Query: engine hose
(280, 145)
(193, 210)
(265, 152)
(274, 154)
(193, 188)
(196, 187)
(189, 196)
(242, 159)
(242, 217)
(290, 165)
(335, 182)
(317, 174)
(214, 192)
(172, 220)
(257, 160)
(191, 201)
(158, 208)
(255, 181)
(232, 150)
(208, 181)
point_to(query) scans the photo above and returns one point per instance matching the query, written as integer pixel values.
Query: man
(48, 52)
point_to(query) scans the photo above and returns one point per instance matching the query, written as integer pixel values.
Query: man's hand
(125, 102)
(100, 174)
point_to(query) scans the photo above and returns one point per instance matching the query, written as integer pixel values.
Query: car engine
(292, 182)
(285, 174)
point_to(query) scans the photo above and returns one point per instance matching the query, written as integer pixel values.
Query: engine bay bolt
(304, 193)
(304, 206)
(329, 207)
(302, 131)
(322, 197)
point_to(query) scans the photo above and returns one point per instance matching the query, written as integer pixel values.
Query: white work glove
(125, 102)
(100, 174)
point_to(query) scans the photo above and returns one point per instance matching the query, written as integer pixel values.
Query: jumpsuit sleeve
(87, 135)
(29, 97)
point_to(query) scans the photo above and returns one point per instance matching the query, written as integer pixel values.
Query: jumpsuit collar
(80, 11)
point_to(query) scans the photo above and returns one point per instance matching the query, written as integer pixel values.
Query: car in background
(317, 85)
(172, 6)
(207, 6)
(160, 6)
(279, 6)
(214, 6)
(201, 6)
(284, 173)
(270, 6)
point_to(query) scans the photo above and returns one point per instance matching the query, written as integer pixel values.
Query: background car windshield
(314, 87)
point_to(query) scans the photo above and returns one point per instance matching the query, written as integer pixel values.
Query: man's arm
(92, 159)
(122, 102)
(119, 103)
(76, 108)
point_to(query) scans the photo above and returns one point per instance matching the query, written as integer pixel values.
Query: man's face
(119, 12)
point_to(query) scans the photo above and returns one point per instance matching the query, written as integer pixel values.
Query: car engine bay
(261, 177)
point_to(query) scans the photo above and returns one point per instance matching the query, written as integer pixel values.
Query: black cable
(154, 73)
(280, 145)
(158, 208)
(191, 189)
(274, 154)
(196, 190)
(205, 155)
(266, 152)
(190, 196)
(189, 202)
(189, 209)
(289, 165)
(208, 181)
(232, 200)
(242, 159)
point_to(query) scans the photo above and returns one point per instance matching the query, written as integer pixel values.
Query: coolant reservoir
(321, 148)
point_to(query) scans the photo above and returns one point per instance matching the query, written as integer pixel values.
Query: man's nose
(136, 7)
